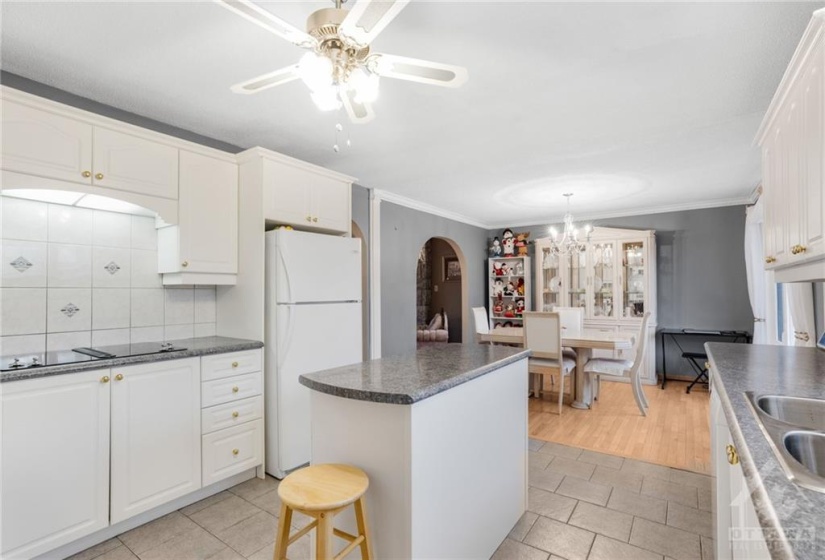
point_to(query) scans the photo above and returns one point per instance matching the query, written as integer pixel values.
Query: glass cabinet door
(577, 280)
(551, 280)
(604, 272)
(633, 279)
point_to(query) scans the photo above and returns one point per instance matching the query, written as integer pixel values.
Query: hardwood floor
(675, 433)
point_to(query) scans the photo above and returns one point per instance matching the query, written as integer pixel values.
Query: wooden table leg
(581, 398)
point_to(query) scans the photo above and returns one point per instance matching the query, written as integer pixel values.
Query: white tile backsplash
(70, 225)
(22, 311)
(70, 266)
(25, 219)
(88, 277)
(25, 264)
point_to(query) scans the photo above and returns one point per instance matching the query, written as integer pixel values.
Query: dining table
(583, 342)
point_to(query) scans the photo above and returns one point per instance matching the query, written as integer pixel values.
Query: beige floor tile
(690, 519)
(269, 502)
(150, 535)
(538, 461)
(512, 550)
(608, 522)
(120, 553)
(646, 507)
(196, 544)
(705, 499)
(251, 534)
(521, 528)
(299, 550)
(579, 489)
(224, 514)
(549, 504)
(97, 550)
(205, 503)
(617, 478)
(534, 444)
(255, 487)
(544, 479)
(708, 549)
(648, 470)
(227, 554)
(670, 491)
(571, 467)
(603, 459)
(560, 450)
(610, 549)
(688, 478)
(662, 539)
(566, 541)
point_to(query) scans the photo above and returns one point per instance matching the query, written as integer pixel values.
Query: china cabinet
(510, 290)
(613, 280)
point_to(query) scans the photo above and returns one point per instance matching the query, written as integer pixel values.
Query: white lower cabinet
(232, 450)
(156, 452)
(55, 461)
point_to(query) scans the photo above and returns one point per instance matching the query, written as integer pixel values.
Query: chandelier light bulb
(315, 71)
(569, 242)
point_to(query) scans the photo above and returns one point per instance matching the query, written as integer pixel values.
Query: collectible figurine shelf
(510, 290)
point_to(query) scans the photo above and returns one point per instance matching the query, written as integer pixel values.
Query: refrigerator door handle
(285, 342)
(285, 269)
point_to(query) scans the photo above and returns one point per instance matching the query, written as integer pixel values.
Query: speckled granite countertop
(796, 514)
(193, 347)
(413, 377)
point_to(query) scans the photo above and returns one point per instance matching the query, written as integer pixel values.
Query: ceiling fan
(340, 69)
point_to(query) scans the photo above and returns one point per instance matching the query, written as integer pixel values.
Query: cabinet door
(156, 439)
(634, 280)
(44, 144)
(602, 300)
(287, 195)
(813, 153)
(55, 461)
(330, 208)
(128, 163)
(576, 281)
(208, 214)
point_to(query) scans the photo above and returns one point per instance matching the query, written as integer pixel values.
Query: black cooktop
(85, 354)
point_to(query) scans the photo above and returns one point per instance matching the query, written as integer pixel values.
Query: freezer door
(309, 338)
(310, 267)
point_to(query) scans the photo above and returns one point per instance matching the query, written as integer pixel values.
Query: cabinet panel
(231, 388)
(227, 365)
(156, 435)
(232, 451)
(44, 144)
(813, 153)
(331, 202)
(231, 414)
(133, 164)
(55, 461)
(287, 195)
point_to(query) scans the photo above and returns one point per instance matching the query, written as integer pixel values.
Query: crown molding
(427, 208)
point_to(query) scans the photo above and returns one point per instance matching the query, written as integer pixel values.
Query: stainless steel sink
(805, 413)
(795, 428)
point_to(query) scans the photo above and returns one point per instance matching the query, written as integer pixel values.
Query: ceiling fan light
(326, 99)
(315, 71)
(365, 85)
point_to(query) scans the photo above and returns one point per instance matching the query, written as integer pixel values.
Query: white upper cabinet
(129, 163)
(792, 138)
(203, 248)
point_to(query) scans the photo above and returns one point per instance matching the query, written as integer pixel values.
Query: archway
(441, 287)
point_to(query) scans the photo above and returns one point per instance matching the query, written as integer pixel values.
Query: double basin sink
(795, 427)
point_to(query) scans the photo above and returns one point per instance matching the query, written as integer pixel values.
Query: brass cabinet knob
(104, 379)
(119, 377)
(235, 414)
(235, 389)
(315, 219)
(770, 260)
(235, 451)
(309, 218)
(87, 174)
(184, 264)
(733, 456)
(234, 364)
(798, 249)
(99, 176)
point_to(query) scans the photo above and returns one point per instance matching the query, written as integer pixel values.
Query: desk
(674, 334)
(583, 342)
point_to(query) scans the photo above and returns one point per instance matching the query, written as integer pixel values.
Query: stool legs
(323, 537)
(282, 538)
(361, 520)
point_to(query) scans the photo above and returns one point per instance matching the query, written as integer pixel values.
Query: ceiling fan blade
(367, 18)
(267, 81)
(415, 70)
(268, 21)
(359, 113)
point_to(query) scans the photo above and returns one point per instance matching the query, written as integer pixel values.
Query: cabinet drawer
(231, 451)
(226, 365)
(230, 389)
(231, 414)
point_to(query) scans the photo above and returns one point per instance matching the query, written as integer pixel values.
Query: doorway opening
(440, 289)
(365, 291)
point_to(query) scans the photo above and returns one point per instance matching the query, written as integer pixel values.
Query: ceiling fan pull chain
(335, 147)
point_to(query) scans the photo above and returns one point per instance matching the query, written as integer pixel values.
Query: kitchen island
(442, 435)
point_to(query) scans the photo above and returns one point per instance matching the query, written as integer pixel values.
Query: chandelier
(569, 242)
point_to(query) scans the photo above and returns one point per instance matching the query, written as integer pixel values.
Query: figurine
(498, 287)
(498, 268)
(519, 271)
(495, 249)
(520, 287)
(498, 308)
(509, 311)
(508, 242)
(505, 269)
(519, 307)
(521, 243)
(509, 289)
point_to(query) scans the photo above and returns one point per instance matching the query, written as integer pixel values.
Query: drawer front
(230, 389)
(227, 365)
(231, 414)
(231, 451)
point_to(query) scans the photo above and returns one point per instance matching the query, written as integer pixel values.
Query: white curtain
(755, 268)
(800, 298)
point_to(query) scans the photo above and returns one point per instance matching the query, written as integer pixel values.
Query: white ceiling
(632, 107)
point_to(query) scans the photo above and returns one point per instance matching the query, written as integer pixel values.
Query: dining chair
(596, 368)
(482, 325)
(542, 336)
(572, 320)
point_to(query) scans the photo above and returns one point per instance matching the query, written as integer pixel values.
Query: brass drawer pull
(733, 456)
(235, 451)
(234, 364)
(770, 260)
(235, 414)
(235, 389)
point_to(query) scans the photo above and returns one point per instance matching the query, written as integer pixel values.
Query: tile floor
(582, 505)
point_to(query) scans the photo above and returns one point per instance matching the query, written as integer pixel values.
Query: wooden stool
(321, 492)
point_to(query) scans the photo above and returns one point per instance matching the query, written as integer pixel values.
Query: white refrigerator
(313, 322)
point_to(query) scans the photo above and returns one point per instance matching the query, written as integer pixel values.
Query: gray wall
(403, 232)
(700, 262)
